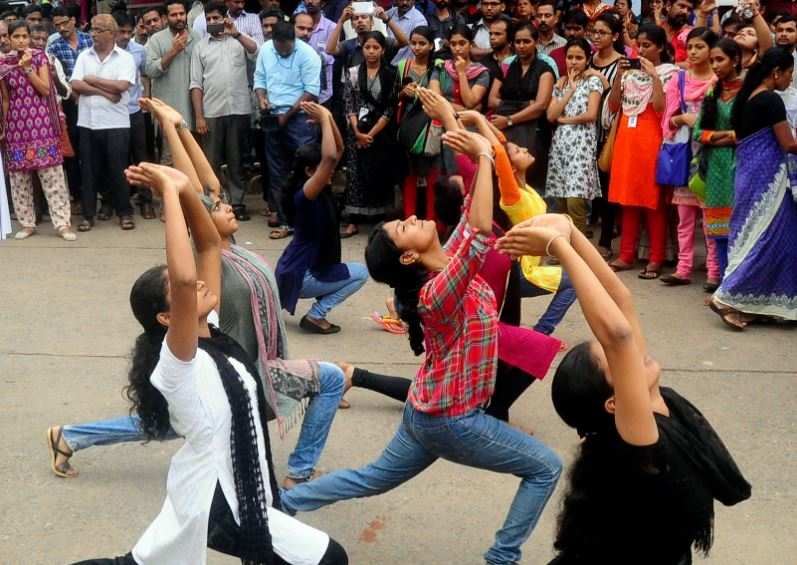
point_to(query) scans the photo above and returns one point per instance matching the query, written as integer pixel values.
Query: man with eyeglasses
(69, 44)
(490, 10)
(102, 76)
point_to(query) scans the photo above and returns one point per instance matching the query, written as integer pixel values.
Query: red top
(458, 311)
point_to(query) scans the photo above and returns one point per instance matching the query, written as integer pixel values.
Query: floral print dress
(572, 165)
(32, 127)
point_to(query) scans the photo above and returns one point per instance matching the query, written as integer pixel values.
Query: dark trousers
(138, 149)
(104, 155)
(281, 146)
(224, 143)
(72, 164)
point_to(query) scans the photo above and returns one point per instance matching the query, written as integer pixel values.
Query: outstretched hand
(158, 178)
(467, 142)
(434, 105)
(161, 110)
(534, 236)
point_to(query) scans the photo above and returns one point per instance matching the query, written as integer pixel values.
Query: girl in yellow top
(521, 202)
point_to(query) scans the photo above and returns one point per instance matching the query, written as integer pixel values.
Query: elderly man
(287, 73)
(220, 96)
(102, 77)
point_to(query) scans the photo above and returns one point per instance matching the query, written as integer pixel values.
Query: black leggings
(223, 536)
(510, 383)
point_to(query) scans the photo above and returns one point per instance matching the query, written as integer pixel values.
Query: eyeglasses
(98, 30)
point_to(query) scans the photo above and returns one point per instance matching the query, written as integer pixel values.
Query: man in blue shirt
(408, 17)
(287, 73)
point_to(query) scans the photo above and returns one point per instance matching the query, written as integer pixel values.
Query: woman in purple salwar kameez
(761, 279)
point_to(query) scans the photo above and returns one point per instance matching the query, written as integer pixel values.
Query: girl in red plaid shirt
(457, 321)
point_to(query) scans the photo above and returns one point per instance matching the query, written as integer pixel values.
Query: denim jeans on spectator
(104, 157)
(281, 145)
(330, 294)
(313, 436)
(560, 303)
(473, 439)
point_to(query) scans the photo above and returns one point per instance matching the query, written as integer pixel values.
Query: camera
(634, 64)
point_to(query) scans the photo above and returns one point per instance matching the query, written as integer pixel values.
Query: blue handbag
(675, 155)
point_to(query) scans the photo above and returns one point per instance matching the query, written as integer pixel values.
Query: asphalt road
(66, 328)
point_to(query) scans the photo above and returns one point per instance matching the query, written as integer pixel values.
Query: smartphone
(366, 8)
(215, 28)
(634, 64)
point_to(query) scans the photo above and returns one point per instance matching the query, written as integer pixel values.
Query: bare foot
(390, 303)
(348, 371)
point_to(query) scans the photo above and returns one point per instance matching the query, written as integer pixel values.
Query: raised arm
(182, 334)
(330, 153)
(609, 312)
(333, 43)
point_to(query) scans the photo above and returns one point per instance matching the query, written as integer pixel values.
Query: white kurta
(5, 217)
(200, 412)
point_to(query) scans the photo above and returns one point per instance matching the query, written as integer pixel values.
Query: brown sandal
(617, 265)
(64, 470)
(731, 317)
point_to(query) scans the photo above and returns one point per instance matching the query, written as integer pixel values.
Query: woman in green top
(714, 130)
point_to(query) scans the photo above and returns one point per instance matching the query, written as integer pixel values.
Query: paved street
(66, 328)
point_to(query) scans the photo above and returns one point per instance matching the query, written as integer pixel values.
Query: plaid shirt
(460, 318)
(64, 52)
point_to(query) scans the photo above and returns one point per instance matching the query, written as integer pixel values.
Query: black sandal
(650, 272)
(127, 223)
(64, 470)
(85, 225)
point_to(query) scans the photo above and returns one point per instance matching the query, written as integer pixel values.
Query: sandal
(24, 233)
(64, 470)
(650, 272)
(66, 234)
(85, 225)
(673, 280)
(390, 324)
(731, 317)
(127, 223)
(619, 265)
(710, 286)
(280, 233)
(105, 212)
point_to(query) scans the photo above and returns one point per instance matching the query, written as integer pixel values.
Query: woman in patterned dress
(32, 134)
(572, 166)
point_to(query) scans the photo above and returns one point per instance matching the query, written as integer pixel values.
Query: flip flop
(650, 272)
(280, 233)
(65, 470)
(725, 313)
(389, 324)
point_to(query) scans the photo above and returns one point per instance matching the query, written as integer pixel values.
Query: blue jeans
(301, 463)
(473, 439)
(281, 145)
(560, 303)
(330, 294)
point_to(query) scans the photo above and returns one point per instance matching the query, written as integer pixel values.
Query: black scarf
(250, 488)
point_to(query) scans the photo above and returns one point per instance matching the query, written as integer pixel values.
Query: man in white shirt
(102, 77)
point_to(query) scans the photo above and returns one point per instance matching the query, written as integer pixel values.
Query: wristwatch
(509, 121)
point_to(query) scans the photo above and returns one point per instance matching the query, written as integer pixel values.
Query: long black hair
(708, 119)
(308, 156)
(705, 34)
(383, 260)
(658, 37)
(774, 58)
(615, 25)
(148, 298)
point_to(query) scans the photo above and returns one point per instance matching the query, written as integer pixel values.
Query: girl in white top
(221, 491)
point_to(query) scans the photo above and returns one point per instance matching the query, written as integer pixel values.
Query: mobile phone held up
(634, 64)
(214, 29)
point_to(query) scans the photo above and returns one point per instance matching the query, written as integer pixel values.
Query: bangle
(550, 241)
(488, 156)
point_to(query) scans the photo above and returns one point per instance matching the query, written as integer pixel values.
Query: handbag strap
(681, 88)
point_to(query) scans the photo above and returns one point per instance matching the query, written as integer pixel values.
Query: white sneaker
(25, 233)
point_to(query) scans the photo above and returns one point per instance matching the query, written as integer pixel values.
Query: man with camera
(287, 73)
(220, 98)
